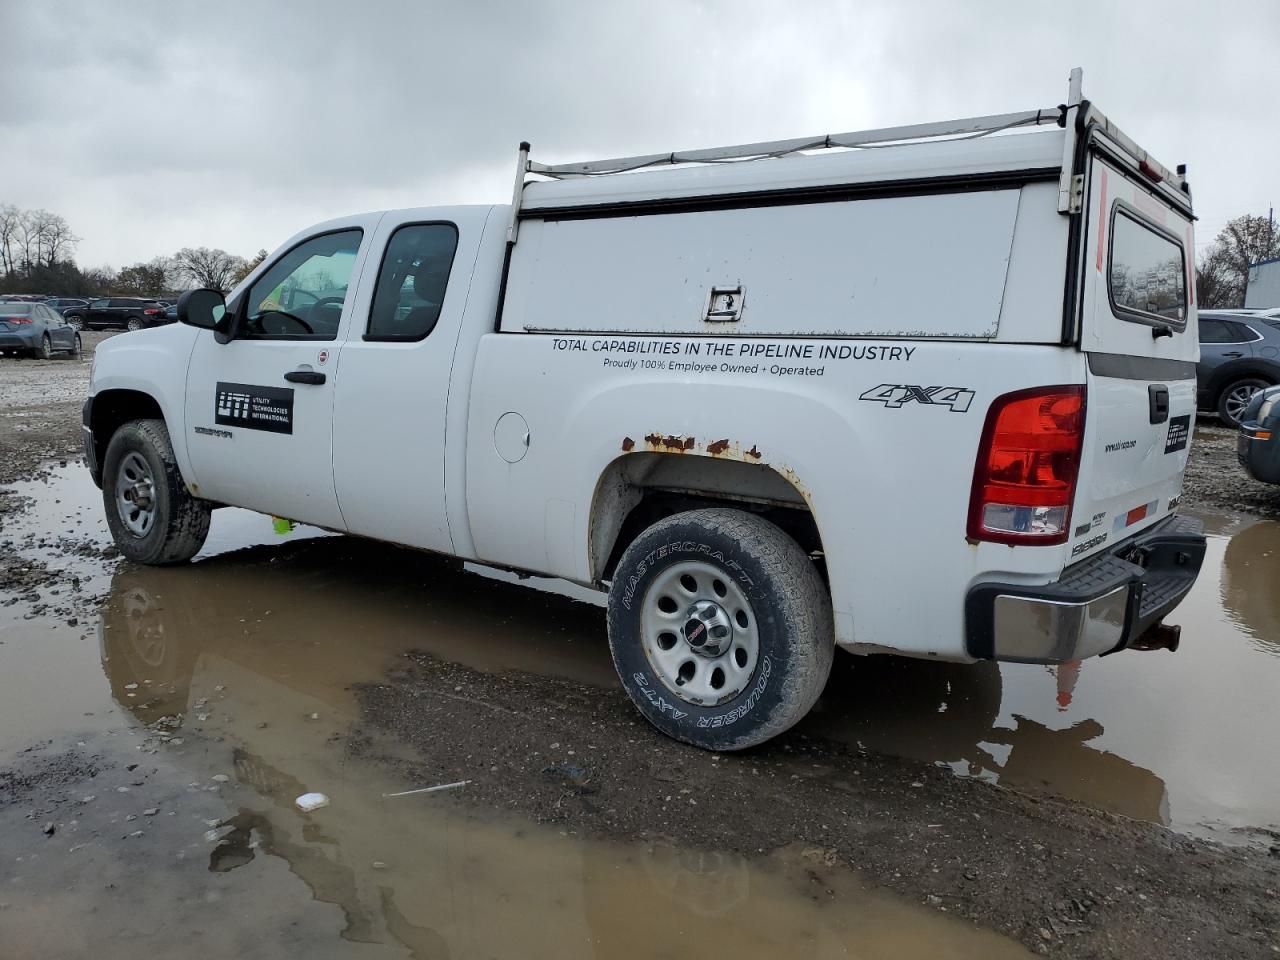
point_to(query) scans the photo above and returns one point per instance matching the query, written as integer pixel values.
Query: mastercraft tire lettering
(720, 628)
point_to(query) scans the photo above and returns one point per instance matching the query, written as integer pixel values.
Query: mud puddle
(1180, 739)
(152, 754)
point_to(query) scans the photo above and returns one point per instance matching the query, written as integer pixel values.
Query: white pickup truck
(925, 390)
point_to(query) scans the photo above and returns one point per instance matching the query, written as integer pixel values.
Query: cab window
(1148, 281)
(301, 296)
(412, 281)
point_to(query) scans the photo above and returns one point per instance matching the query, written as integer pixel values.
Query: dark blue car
(1239, 355)
(35, 330)
(1258, 446)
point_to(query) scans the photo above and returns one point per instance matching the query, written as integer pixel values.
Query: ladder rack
(1067, 115)
(885, 136)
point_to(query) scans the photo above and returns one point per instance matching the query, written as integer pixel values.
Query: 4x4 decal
(894, 395)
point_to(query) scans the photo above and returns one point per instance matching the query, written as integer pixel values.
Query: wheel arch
(637, 489)
(1227, 374)
(108, 411)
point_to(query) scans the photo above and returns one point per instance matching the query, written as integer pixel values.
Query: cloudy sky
(156, 125)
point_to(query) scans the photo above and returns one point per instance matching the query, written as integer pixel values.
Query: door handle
(1234, 353)
(304, 376)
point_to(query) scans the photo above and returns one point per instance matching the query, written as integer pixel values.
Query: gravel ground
(1216, 480)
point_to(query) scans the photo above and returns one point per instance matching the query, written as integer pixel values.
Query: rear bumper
(12, 340)
(1098, 606)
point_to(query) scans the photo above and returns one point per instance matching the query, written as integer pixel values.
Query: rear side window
(1148, 279)
(412, 281)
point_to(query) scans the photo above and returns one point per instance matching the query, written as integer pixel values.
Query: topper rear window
(1147, 281)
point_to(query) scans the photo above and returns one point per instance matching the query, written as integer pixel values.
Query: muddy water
(257, 648)
(1182, 739)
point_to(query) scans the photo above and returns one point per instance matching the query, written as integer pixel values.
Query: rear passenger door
(389, 423)
(1221, 341)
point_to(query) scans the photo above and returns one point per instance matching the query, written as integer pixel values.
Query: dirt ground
(1054, 875)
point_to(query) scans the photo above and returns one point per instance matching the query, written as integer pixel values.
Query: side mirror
(203, 308)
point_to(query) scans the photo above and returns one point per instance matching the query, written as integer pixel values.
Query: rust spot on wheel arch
(671, 443)
(753, 453)
(718, 447)
(628, 444)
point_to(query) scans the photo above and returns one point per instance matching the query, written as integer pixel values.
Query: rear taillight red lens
(151, 312)
(16, 319)
(1025, 477)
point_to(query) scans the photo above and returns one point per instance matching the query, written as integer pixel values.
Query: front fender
(152, 362)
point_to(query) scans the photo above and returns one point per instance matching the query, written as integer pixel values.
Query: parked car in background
(35, 330)
(65, 305)
(1239, 355)
(129, 313)
(1258, 446)
(170, 313)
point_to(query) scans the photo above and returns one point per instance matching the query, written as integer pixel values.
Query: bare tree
(57, 242)
(10, 220)
(1223, 273)
(209, 268)
(250, 265)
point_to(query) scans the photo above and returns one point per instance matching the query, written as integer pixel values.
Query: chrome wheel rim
(699, 633)
(1238, 400)
(135, 494)
(133, 325)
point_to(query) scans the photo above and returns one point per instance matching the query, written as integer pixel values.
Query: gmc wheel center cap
(707, 628)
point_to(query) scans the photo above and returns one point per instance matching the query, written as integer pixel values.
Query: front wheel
(720, 628)
(151, 515)
(1235, 398)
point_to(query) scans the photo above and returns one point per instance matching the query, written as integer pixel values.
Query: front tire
(720, 628)
(1235, 397)
(151, 515)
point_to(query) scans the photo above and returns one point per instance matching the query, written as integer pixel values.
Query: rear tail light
(152, 312)
(18, 319)
(1025, 477)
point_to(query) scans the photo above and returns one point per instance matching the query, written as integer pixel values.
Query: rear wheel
(151, 515)
(720, 628)
(1235, 397)
(76, 350)
(133, 324)
(75, 321)
(45, 350)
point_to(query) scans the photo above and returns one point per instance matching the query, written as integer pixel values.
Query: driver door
(260, 407)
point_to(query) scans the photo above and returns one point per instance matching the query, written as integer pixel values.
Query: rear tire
(151, 515)
(133, 323)
(76, 322)
(77, 349)
(44, 351)
(1235, 396)
(720, 591)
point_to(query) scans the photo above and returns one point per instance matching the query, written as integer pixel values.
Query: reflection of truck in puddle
(414, 872)
(284, 613)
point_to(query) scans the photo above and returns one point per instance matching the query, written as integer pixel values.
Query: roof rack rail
(968, 127)
(1064, 115)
